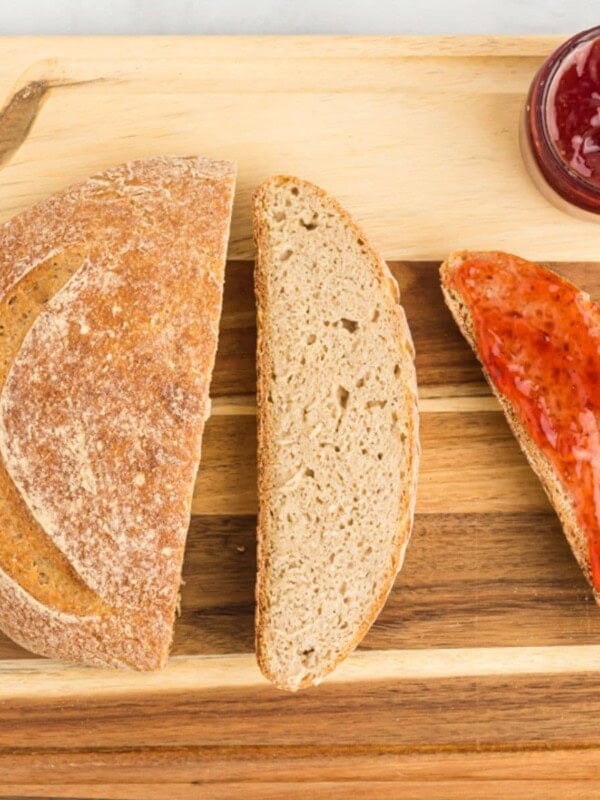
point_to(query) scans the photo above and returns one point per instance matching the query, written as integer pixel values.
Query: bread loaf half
(530, 302)
(338, 432)
(110, 298)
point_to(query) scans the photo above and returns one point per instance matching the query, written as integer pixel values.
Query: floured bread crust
(103, 408)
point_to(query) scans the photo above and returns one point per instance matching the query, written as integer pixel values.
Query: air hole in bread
(311, 339)
(310, 226)
(295, 191)
(349, 324)
(342, 396)
(376, 404)
(309, 658)
(286, 254)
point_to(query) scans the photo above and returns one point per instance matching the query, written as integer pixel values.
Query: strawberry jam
(559, 132)
(539, 339)
(573, 111)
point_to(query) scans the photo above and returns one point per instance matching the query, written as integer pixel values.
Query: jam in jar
(560, 130)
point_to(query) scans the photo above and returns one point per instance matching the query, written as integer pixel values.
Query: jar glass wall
(560, 126)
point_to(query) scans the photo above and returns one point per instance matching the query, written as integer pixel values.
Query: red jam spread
(539, 339)
(573, 111)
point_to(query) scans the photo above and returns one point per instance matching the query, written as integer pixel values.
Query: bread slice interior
(338, 432)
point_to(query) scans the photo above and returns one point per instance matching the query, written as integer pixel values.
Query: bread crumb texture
(338, 446)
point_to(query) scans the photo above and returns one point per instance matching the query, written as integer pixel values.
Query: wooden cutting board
(481, 678)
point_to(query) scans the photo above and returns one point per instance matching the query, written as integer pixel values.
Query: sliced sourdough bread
(110, 299)
(338, 432)
(542, 466)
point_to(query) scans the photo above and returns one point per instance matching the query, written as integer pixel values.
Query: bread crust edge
(542, 467)
(391, 293)
(92, 639)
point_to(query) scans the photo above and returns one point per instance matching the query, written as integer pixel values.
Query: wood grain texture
(490, 629)
(215, 767)
(487, 568)
(481, 677)
(225, 703)
(427, 129)
(426, 789)
(460, 563)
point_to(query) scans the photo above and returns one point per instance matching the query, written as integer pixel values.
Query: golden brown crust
(407, 497)
(538, 461)
(105, 457)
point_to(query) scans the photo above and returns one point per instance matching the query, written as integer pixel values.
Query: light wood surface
(481, 677)
(417, 137)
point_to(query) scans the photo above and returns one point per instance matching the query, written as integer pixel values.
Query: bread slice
(338, 432)
(110, 299)
(543, 468)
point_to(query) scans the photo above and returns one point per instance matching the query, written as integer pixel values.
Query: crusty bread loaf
(110, 298)
(338, 432)
(538, 461)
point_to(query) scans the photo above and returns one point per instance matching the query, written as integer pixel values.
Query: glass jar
(560, 126)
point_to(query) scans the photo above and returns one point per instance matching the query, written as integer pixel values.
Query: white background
(296, 16)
